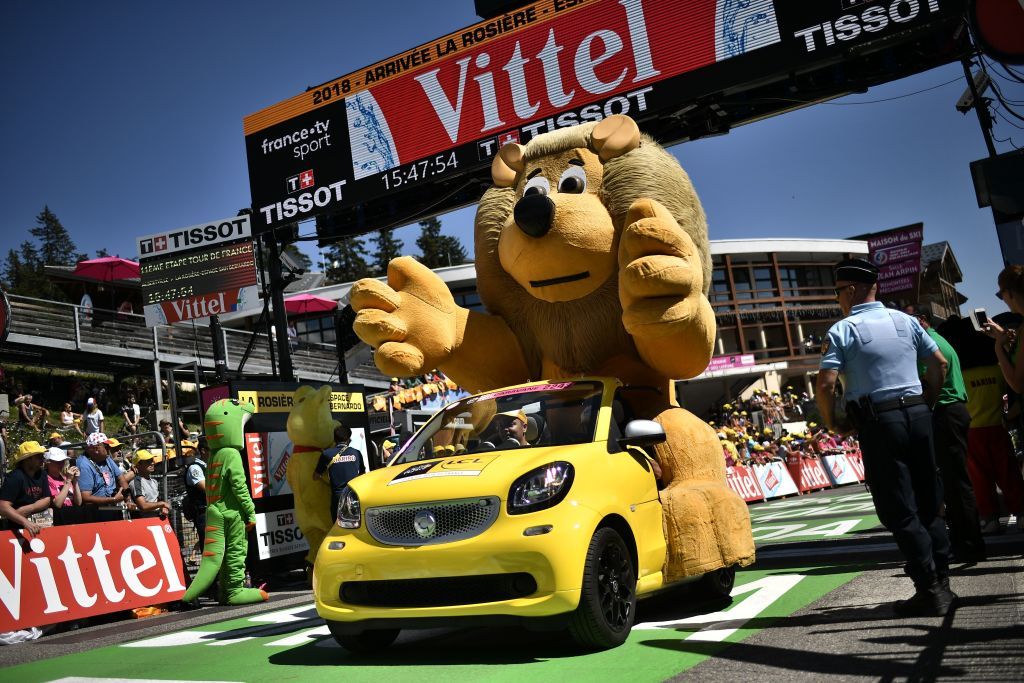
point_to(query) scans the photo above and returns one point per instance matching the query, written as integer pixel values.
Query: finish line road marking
(83, 679)
(721, 625)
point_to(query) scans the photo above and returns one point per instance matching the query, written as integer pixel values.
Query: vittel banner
(445, 107)
(73, 572)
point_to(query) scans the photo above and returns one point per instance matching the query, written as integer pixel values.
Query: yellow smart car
(534, 504)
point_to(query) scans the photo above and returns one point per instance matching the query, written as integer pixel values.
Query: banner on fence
(73, 572)
(839, 469)
(856, 461)
(775, 480)
(808, 473)
(743, 481)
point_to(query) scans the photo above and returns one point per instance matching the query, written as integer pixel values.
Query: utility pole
(280, 318)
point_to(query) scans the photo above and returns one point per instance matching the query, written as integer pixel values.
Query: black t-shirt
(341, 465)
(21, 490)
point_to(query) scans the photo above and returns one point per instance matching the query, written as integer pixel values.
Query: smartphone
(979, 318)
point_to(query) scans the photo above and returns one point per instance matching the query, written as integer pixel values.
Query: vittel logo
(593, 50)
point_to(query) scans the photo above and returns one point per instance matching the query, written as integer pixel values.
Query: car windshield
(524, 417)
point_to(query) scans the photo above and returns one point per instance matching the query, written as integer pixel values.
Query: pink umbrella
(108, 268)
(308, 303)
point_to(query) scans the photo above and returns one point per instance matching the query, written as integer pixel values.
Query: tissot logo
(300, 181)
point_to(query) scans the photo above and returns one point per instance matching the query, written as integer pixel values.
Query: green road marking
(293, 644)
(814, 518)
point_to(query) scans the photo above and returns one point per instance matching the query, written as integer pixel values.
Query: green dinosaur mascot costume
(230, 511)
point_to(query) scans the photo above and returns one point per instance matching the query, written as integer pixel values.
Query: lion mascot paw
(311, 430)
(592, 258)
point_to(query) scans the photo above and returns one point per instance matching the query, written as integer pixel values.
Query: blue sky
(126, 118)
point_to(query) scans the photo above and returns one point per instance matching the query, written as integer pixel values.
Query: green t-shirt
(953, 389)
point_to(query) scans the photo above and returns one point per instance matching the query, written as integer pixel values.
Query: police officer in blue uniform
(877, 350)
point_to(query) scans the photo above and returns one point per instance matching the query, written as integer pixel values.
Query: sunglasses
(839, 290)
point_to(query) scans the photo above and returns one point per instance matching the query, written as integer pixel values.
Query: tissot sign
(198, 271)
(444, 108)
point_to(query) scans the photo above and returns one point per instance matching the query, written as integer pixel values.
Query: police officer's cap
(856, 270)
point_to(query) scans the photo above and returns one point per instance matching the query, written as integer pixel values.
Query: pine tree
(388, 247)
(346, 261)
(452, 251)
(429, 243)
(55, 245)
(12, 271)
(102, 252)
(438, 250)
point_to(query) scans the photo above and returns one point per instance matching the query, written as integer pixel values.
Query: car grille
(439, 592)
(452, 520)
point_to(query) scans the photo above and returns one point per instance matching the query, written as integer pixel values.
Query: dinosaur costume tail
(213, 555)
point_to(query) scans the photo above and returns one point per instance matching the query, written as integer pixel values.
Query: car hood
(482, 474)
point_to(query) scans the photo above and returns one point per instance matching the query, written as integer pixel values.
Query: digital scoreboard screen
(177, 276)
(380, 144)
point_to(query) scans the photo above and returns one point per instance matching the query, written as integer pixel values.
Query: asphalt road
(815, 606)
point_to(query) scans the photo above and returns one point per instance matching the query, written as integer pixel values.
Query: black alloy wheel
(607, 606)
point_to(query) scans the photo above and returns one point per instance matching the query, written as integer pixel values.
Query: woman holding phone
(991, 458)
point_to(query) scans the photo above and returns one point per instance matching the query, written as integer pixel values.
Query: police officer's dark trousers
(897, 446)
(950, 424)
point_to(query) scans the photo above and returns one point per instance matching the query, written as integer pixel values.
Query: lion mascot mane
(592, 259)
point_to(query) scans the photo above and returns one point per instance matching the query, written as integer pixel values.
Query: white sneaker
(990, 526)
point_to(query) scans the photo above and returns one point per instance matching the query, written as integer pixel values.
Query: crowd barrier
(72, 572)
(801, 474)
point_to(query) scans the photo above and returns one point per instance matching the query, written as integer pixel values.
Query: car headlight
(348, 509)
(541, 488)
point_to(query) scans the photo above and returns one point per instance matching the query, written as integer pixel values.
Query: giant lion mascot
(592, 259)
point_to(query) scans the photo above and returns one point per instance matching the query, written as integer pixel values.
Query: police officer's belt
(902, 402)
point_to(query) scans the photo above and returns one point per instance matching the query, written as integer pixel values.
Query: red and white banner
(775, 480)
(72, 572)
(743, 481)
(839, 469)
(856, 461)
(808, 473)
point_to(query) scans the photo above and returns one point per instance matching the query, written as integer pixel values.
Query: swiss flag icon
(159, 243)
(306, 179)
(505, 138)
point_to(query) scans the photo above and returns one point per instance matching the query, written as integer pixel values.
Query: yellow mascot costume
(592, 259)
(311, 430)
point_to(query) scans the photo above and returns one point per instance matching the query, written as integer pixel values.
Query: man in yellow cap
(145, 489)
(25, 491)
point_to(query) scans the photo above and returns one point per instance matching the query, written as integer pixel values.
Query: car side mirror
(642, 433)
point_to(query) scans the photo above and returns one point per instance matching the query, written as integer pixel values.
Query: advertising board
(897, 253)
(278, 534)
(774, 480)
(47, 579)
(743, 482)
(839, 469)
(444, 108)
(198, 271)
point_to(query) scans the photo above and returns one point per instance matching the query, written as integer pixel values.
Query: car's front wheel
(607, 606)
(718, 583)
(366, 642)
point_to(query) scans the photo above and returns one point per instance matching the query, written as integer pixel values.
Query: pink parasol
(107, 268)
(302, 304)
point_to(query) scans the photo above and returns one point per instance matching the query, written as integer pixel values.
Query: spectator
(55, 440)
(69, 419)
(342, 463)
(293, 338)
(32, 415)
(24, 493)
(132, 413)
(92, 419)
(194, 505)
(387, 449)
(116, 451)
(101, 480)
(951, 421)
(65, 493)
(145, 490)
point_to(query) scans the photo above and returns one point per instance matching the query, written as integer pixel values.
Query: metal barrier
(125, 334)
